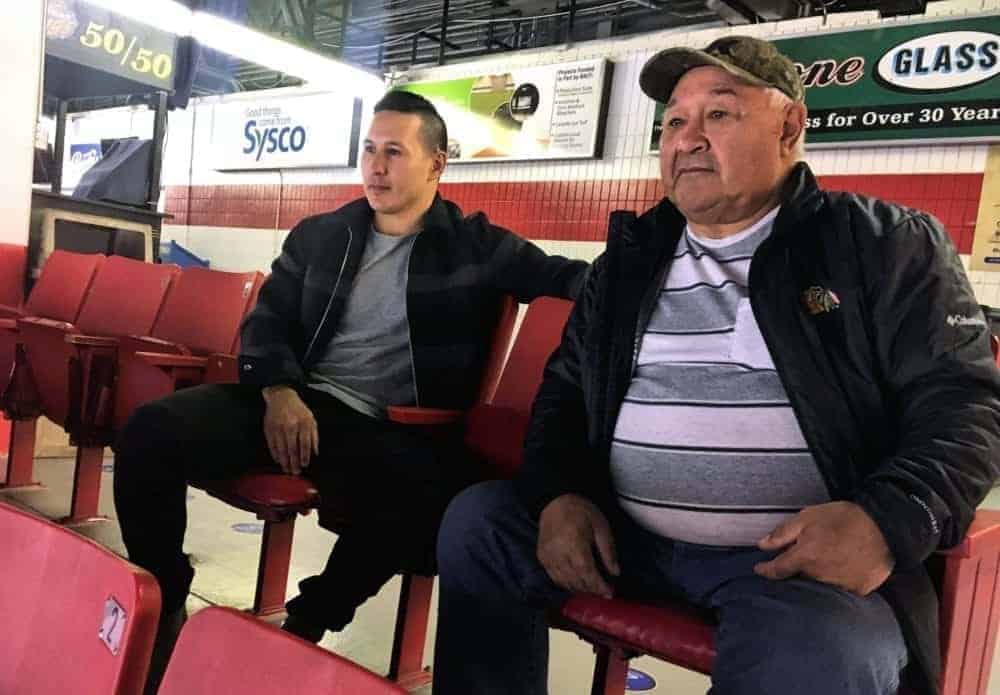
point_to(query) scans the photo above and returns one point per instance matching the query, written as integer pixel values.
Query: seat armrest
(39, 322)
(222, 369)
(146, 343)
(10, 312)
(412, 415)
(93, 341)
(8, 324)
(166, 360)
(983, 537)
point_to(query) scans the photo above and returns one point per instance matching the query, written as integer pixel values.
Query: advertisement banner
(920, 82)
(98, 38)
(82, 156)
(544, 112)
(986, 243)
(298, 132)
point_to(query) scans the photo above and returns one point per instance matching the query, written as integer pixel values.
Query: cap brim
(661, 73)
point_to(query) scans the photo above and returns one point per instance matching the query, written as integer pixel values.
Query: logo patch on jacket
(819, 300)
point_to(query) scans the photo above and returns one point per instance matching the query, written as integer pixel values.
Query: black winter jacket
(896, 390)
(459, 270)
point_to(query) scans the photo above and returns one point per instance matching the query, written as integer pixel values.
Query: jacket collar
(440, 215)
(801, 197)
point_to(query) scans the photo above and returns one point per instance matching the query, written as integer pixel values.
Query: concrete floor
(224, 543)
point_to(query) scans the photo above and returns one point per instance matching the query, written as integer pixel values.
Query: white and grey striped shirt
(707, 448)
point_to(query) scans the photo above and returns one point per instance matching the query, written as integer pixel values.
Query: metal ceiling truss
(386, 35)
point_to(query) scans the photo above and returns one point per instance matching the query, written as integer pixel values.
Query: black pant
(395, 481)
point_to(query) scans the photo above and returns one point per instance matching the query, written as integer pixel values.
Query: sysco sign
(285, 132)
(274, 139)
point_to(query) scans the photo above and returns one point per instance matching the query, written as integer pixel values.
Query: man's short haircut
(433, 131)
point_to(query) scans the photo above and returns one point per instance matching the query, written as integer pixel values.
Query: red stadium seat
(13, 269)
(223, 651)
(76, 617)
(494, 430)
(58, 295)
(969, 589)
(202, 316)
(125, 298)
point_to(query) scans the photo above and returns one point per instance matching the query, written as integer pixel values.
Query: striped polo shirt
(707, 448)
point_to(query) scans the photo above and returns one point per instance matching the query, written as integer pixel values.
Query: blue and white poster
(318, 130)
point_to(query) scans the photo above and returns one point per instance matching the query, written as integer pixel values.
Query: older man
(771, 400)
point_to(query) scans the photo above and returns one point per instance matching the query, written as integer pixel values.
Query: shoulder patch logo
(959, 320)
(819, 300)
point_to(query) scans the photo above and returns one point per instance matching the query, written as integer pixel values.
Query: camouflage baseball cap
(754, 60)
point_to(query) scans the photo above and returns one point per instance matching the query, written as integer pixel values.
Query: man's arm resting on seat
(527, 272)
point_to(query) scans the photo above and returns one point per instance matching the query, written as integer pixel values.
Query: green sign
(81, 33)
(923, 81)
(543, 112)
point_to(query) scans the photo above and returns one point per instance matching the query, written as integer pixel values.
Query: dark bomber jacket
(459, 270)
(895, 389)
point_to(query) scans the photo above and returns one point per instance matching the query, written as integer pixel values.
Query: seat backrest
(538, 337)
(204, 309)
(499, 345)
(495, 430)
(13, 266)
(221, 650)
(63, 285)
(60, 591)
(125, 297)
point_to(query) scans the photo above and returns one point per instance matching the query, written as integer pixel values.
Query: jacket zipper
(336, 286)
(409, 332)
(645, 313)
(793, 397)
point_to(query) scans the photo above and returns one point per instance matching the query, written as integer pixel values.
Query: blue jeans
(773, 638)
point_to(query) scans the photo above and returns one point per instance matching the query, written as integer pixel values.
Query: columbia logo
(959, 320)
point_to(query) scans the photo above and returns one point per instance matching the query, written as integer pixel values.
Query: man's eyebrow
(721, 90)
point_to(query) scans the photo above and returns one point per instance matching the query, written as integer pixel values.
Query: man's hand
(835, 543)
(569, 529)
(290, 429)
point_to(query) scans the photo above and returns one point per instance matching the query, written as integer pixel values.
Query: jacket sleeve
(558, 458)
(933, 348)
(526, 272)
(271, 336)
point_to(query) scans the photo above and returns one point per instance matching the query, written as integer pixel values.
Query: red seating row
(79, 619)
(619, 629)
(77, 348)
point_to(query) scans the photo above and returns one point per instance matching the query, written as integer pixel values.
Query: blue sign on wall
(637, 681)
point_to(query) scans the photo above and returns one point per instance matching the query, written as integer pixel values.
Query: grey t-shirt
(368, 364)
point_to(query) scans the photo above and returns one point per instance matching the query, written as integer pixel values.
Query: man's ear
(440, 161)
(793, 126)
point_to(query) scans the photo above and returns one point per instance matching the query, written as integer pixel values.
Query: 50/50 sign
(88, 35)
(116, 43)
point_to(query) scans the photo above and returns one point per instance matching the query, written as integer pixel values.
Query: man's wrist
(276, 391)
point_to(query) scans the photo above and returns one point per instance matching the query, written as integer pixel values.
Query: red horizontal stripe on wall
(553, 210)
